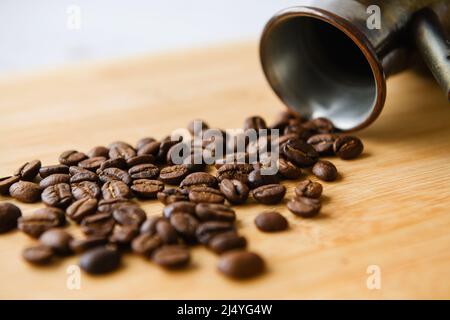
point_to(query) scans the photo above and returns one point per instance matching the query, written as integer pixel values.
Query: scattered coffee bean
(115, 189)
(100, 224)
(173, 174)
(29, 170)
(85, 189)
(108, 206)
(213, 211)
(185, 224)
(110, 174)
(40, 221)
(256, 123)
(235, 171)
(288, 170)
(172, 256)
(325, 170)
(227, 241)
(99, 151)
(78, 174)
(166, 231)
(146, 244)
(58, 195)
(129, 215)
(202, 125)
(92, 164)
(147, 189)
(82, 245)
(169, 196)
(235, 191)
(119, 163)
(348, 147)
(142, 142)
(25, 191)
(6, 183)
(38, 254)
(54, 179)
(206, 194)
(320, 125)
(271, 221)
(199, 179)
(144, 171)
(9, 214)
(58, 240)
(123, 235)
(142, 159)
(71, 157)
(82, 208)
(304, 207)
(269, 194)
(323, 143)
(299, 152)
(257, 179)
(241, 264)
(121, 151)
(308, 189)
(44, 172)
(149, 148)
(100, 260)
(180, 206)
(207, 230)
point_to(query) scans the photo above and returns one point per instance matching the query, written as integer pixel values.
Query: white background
(34, 33)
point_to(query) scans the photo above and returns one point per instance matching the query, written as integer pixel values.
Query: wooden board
(391, 208)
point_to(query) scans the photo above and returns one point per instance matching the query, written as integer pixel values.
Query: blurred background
(45, 34)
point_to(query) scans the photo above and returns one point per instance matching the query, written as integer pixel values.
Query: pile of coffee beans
(95, 191)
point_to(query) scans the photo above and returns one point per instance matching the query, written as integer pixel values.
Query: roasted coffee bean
(82, 245)
(325, 170)
(92, 164)
(269, 194)
(169, 196)
(119, 163)
(142, 142)
(180, 206)
(299, 152)
(71, 157)
(129, 216)
(54, 179)
(147, 189)
(322, 143)
(149, 225)
(78, 174)
(100, 224)
(115, 189)
(25, 191)
(111, 174)
(9, 214)
(160, 227)
(213, 211)
(143, 159)
(58, 195)
(185, 224)
(82, 208)
(283, 119)
(85, 189)
(99, 151)
(172, 256)
(235, 171)
(233, 158)
(271, 221)
(234, 191)
(149, 148)
(304, 207)
(44, 172)
(100, 260)
(38, 254)
(241, 264)
(348, 147)
(207, 230)
(308, 189)
(146, 244)
(164, 148)
(320, 125)
(144, 171)
(41, 220)
(227, 241)
(299, 130)
(123, 235)
(29, 170)
(108, 206)
(199, 179)
(6, 183)
(256, 123)
(58, 240)
(121, 151)
(257, 179)
(288, 170)
(206, 194)
(202, 126)
(173, 174)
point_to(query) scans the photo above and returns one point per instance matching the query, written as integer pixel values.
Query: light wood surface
(391, 208)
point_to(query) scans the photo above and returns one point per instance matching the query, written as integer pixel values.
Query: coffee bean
(9, 214)
(300, 130)
(115, 189)
(108, 206)
(149, 148)
(325, 170)
(44, 172)
(119, 163)
(54, 179)
(199, 179)
(269, 194)
(82, 245)
(142, 142)
(85, 189)
(173, 174)
(322, 143)
(227, 241)
(6, 183)
(180, 206)
(165, 231)
(82, 208)
(25, 191)
(283, 118)
(172, 256)
(203, 126)
(348, 147)
(213, 211)
(123, 235)
(320, 125)
(71, 157)
(110, 174)
(147, 189)
(299, 152)
(255, 123)
(169, 196)
(143, 159)
(206, 194)
(144, 171)
(207, 230)
(234, 191)
(78, 174)
(241, 264)
(121, 151)
(38, 254)
(235, 171)
(100, 260)
(185, 224)
(58, 195)
(58, 240)
(92, 164)
(100, 224)
(129, 215)
(257, 179)
(99, 151)
(240, 158)
(271, 221)
(164, 148)
(146, 244)
(29, 170)
(304, 207)
(41, 220)
(288, 170)
(308, 189)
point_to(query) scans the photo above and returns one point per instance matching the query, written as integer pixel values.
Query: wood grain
(390, 209)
